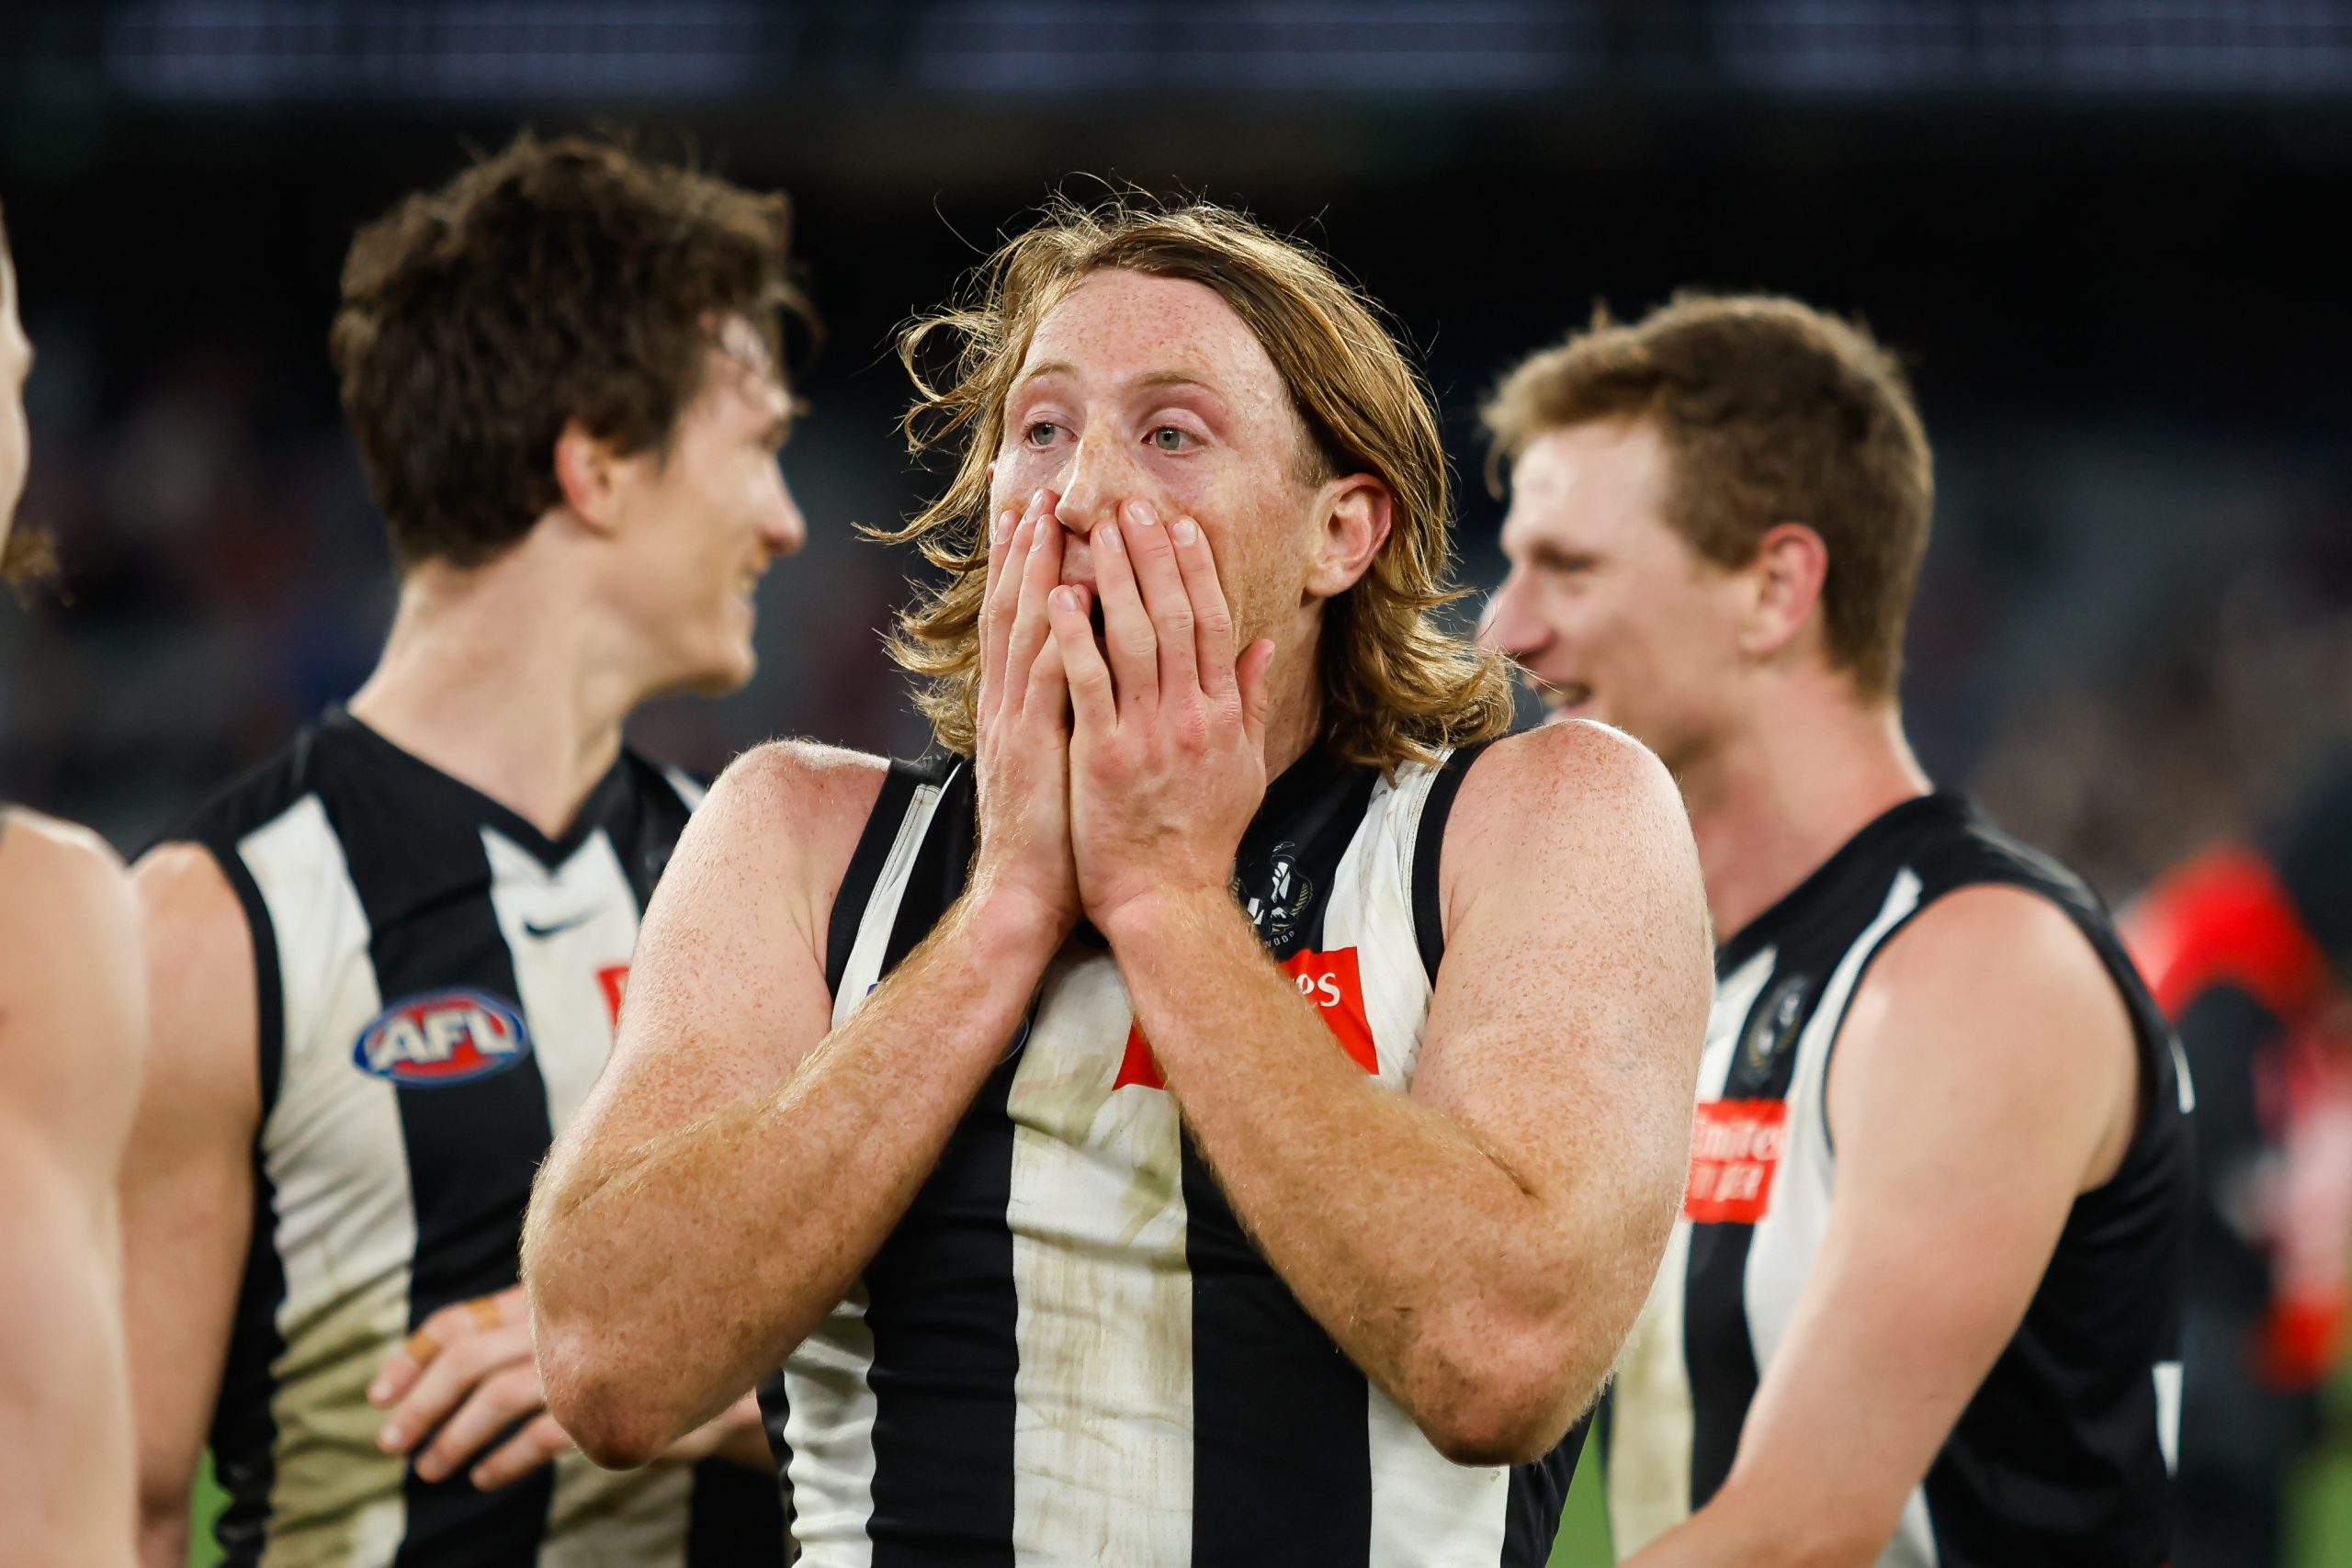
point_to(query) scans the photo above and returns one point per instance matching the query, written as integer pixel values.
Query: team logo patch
(1734, 1150)
(1332, 981)
(1277, 894)
(1772, 1026)
(442, 1037)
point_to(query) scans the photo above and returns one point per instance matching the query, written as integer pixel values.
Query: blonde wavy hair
(1398, 686)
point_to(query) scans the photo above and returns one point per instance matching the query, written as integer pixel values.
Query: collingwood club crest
(1277, 894)
(1772, 1026)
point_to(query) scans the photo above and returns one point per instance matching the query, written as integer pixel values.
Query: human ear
(1356, 515)
(1792, 563)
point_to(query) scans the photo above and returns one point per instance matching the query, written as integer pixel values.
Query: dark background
(2104, 232)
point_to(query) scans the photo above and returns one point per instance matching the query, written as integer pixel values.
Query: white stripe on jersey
(1102, 1400)
(1787, 1240)
(1652, 1426)
(587, 912)
(829, 1409)
(344, 1243)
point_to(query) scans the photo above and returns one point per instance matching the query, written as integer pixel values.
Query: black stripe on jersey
(473, 1146)
(1716, 1348)
(940, 1299)
(243, 1437)
(866, 863)
(1429, 846)
(1539, 1492)
(1270, 1388)
(736, 1520)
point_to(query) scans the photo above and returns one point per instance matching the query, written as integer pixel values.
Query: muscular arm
(738, 1164)
(1984, 1078)
(73, 1029)
(1481, 1246)
(187, 1181)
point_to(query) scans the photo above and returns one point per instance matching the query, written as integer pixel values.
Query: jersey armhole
(1429, 847)
(269, 990)
(866, 863)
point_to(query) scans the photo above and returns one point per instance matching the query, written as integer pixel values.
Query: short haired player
(1226, 1110)
(1924, 1302)
(387, 963)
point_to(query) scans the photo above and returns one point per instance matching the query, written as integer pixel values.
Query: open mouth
(1565, 701)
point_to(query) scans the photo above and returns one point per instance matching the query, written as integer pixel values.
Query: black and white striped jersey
(437, 985)
(2064, 1455)
(1069, 1352)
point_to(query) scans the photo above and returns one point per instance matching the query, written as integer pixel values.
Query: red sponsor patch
(613, 978)
(1734, 1149)
(1330, 980)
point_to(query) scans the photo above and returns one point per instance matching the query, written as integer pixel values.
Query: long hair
(1398, 686)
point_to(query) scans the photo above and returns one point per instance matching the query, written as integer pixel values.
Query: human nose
(1510, 624)
(1099, 477)
(783, 529)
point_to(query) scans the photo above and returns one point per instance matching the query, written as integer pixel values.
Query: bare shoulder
(73, 1008)
(63, 892)
(1550, 800)
(2012, 938)
(1993, 990)
(778, 827)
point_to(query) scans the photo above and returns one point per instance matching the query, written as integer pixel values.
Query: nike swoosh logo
(532, 928)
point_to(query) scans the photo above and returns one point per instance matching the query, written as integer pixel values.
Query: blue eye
(1040, 433)
(1169, 439)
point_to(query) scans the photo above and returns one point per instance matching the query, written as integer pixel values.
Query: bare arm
(73, 1029)
(188, 1188)
(1984, 1078)
(1481, 1246)
(739, 1164)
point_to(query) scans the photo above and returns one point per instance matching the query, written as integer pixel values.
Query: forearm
(1422, 1254)
(665, 1279)
(1786, 1529)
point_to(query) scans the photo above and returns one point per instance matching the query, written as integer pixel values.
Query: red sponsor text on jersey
(1330, 980)
(1734, 1149)
(613, 979)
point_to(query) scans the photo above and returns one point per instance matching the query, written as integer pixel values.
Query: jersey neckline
(589, 816)
(1733, 951)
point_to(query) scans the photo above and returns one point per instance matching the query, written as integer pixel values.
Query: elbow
(615, 1427)
(1505, 1400)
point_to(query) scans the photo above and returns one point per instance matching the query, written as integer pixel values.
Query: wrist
(1005, 929)
(1150, 919)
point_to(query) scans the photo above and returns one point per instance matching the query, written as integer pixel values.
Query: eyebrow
(1153, 378)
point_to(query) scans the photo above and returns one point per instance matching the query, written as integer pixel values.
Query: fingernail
(1004, 521)
(392, 1437)
(1182, 531)
(428, 1469)
(1141, 514)
(1111, 540)
(1037, 498)
(1065, 598)
(1037, 537)
(380, 1391)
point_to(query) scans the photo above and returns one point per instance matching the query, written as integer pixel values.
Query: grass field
(2323, 1525)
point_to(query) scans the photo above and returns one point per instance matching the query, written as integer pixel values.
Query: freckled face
(1151, 389)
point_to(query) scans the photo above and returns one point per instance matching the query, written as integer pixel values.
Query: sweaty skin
(1478, 1246)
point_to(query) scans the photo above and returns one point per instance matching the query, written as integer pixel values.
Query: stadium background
(2098, 227)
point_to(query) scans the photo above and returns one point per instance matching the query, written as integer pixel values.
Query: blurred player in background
(1225, 1112)
(2246, 946)
(387, 965)
(1925, 1306)
(73, 1029)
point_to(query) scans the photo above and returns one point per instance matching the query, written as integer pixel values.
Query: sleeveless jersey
(1069, 1351)
(437, 983)
(2064, 1455)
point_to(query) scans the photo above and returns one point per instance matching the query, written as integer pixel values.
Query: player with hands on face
(1228, 1107)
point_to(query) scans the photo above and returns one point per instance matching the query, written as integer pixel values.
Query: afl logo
(442, 1037)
